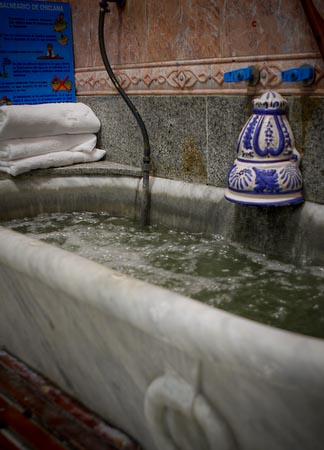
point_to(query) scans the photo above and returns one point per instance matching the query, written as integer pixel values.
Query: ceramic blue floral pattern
(290, 177)
(248, 133)
(266, 169)
(240, 179)
(266, 180)
(273, 141)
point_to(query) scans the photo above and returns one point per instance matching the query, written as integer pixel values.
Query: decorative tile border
(201, 77)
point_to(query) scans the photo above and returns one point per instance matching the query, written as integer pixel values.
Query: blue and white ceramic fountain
(266, 169)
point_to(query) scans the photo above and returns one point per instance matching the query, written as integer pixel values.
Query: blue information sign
(36, 53)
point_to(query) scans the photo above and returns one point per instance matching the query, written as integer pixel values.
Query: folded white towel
(57, 159)
(49, 119)
(12, 149)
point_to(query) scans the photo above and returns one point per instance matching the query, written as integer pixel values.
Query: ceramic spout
(266, 169)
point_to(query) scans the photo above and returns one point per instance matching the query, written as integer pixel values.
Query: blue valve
(249, 74)
(306, 74)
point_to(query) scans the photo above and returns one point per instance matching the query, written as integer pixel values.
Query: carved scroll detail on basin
(178, 416)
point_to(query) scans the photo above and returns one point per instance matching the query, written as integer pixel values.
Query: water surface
(209, 269)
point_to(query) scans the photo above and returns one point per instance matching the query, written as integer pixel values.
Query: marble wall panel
(176, 128)
(154, 31)
(186, 46)
(182, 30)
(307, 119)
(265, 28)
(226, 117)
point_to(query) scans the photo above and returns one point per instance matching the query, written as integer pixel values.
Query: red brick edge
(36, 411)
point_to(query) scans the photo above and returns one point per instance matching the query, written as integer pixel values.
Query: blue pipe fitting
(250, 74)
(304, 74)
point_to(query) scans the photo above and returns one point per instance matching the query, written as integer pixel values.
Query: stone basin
(169, 371)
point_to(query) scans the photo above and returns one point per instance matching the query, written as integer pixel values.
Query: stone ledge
(96, 168)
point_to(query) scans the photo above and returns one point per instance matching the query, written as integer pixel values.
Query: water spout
(266, 169)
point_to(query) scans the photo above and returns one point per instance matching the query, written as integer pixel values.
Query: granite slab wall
(193, 138)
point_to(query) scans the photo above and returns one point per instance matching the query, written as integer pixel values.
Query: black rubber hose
(147, 149)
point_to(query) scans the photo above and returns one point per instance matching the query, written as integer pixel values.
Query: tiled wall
(154, 30)
(185, 46)
(173, 55)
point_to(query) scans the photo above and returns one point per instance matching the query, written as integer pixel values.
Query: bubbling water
(206, 268)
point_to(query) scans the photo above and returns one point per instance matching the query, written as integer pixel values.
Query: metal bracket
(120, 3)
(105, 7)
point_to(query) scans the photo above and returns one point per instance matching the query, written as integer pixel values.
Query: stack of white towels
(47, 135)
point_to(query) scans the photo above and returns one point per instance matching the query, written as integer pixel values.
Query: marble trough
(167, 370)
